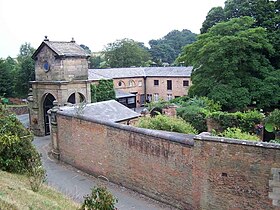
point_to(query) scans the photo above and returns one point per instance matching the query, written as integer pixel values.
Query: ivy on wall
(103, 91)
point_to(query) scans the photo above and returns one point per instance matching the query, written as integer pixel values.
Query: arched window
(131, 83)
(76, 98)
(121, 83)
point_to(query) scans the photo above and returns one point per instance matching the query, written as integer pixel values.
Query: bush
(236, 133)
(166, 123)
(99, 199)
(16, 147)
(246, 121)
(194, 115)
(272, 121)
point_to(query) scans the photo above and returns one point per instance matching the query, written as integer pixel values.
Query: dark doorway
(48, 104)
(142, 99)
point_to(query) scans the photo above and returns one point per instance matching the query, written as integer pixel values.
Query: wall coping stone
(205, 136)
(185, 139)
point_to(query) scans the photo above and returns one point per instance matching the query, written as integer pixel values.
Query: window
(156, 82)
(185, 83)
(149, 98)
(140, 83)
(120, 83)
(169, 97)
(131, 100)
(169, 84)
(131, 83)
(155, 97)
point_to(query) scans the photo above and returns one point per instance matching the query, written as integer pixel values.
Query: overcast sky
(96, 23)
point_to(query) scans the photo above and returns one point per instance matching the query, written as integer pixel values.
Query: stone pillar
(53, 130)
(33, 110)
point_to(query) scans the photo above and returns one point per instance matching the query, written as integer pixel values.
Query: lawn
(15, 193)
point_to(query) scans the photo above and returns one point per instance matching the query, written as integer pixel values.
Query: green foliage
(16, 147)
(169, 47)
(126, 53)
(103, 91)
(166, 123)
(6, 80)
(231, 56)
(25, 71)
(237, 133)
(194, 115)
(275, 141)
(158, 104)
(36, 173)
(272, 121)
(215, 15)
(246, 121)
(265, 14)
(99, 199)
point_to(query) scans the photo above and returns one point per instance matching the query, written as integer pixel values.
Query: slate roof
(114, 73)
(122, 94)
(63, 49)
(111, 110)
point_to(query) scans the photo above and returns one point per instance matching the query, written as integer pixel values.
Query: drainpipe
(145, 89)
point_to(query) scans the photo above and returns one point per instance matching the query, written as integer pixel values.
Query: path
(76, 184)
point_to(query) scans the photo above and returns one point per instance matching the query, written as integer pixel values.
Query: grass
(16, 194)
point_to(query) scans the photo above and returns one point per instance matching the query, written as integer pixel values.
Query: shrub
(99, 199)
(16, 147)
(166, 123)
(36, 173)
(272, 121)
(194, 115)
(246, 121)
(236, 133)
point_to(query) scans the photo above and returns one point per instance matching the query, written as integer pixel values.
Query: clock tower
(61, 74)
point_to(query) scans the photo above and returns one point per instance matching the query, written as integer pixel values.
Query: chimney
(73, 41)
(46, 38)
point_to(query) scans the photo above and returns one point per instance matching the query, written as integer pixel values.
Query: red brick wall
(211, 174)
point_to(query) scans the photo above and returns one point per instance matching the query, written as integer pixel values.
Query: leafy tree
(126, 53)
(169, 47)
(6, 82)
(215, 15)
(26, 70)
(103, 91)
(231, 65)
(265, 13)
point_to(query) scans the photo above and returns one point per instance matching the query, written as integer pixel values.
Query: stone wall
(189, 172)
(61, 69)
(18, 110)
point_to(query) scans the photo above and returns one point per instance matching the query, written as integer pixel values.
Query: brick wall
(189, 172)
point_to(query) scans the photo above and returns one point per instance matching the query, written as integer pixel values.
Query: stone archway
(76, 98)
(47, 104)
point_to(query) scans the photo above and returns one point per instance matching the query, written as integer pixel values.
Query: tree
(231, 65)
(169, 47)
(26, 70)
(6, 82)
(126, 53)
(215, 15)
(265, 13)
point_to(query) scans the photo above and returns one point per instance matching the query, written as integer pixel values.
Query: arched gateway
(61, 69)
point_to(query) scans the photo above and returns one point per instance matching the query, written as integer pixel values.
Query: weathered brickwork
(177, 87)
(211, 174)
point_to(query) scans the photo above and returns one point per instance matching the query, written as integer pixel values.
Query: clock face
(46, 66)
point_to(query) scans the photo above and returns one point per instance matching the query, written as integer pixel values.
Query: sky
(95, 23)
